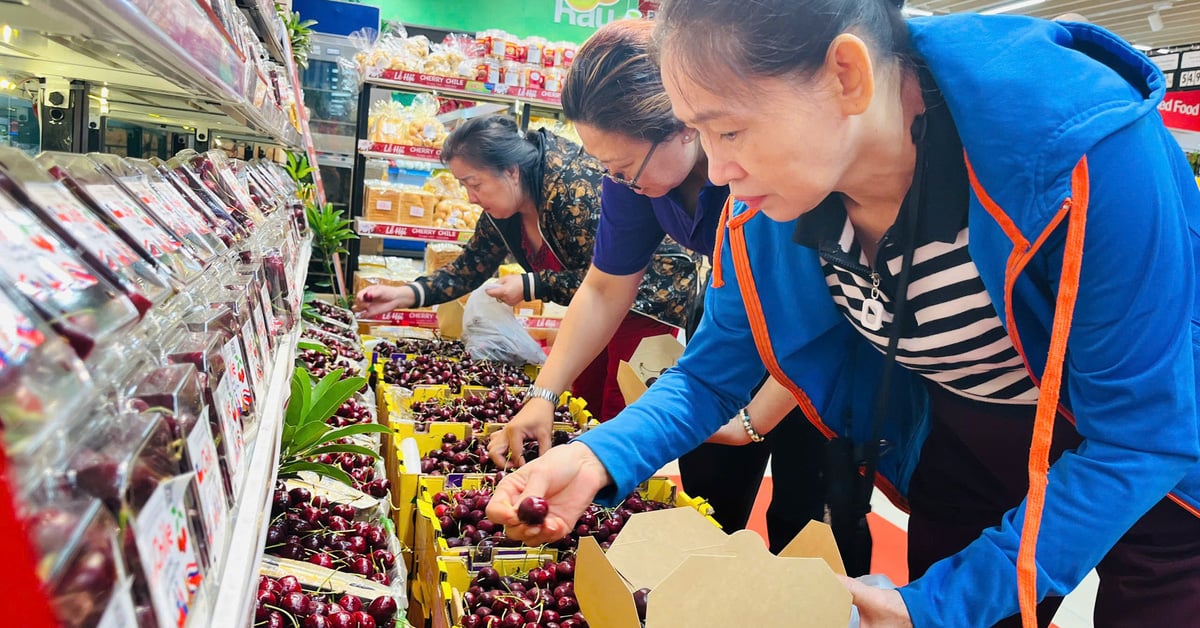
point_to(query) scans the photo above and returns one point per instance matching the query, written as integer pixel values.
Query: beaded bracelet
(753, 433)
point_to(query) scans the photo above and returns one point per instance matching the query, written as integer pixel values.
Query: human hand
(878, 608)
(376, 300)
(535, 420)
(509, 289)
(568, 477)
(732, 433)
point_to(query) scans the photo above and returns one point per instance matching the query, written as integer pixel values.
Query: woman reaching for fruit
(541, 198)
(924, 193)
(656, 187)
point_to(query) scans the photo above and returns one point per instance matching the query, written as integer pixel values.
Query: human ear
(848, 65)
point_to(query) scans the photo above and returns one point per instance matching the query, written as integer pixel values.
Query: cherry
(275, 620)
(341, 619)
(639, 601)
(363, 620)
(289, 584)
(350, 603)
(316, 621)
(383, 609)
(295, 604)
(322, 560)
(533, 510)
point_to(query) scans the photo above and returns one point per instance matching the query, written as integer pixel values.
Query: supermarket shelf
(408, 232)
(473, 90)
(381, 150)
(269, 27)
(156, 52)
(234, 603)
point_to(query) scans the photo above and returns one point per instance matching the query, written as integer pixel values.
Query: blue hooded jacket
(1083, 222)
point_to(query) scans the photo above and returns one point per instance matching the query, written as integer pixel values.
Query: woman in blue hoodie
(993, 205)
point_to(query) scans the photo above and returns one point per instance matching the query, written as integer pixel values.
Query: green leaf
(306, 437)
(293, 468)
(322, 388)
(341, 449)
(312, 345)
(324, 406)
(362, 428)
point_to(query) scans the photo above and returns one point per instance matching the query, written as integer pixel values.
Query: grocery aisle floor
(889, 527)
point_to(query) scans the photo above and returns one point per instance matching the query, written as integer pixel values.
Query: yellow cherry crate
(454, 577)
(427, 438)
(430, 545)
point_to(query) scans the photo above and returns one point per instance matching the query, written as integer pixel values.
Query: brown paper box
(699, 576)
(653, 356)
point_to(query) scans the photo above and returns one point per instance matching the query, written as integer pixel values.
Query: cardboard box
(438, 254)
(699, 576)
(528, 308)
(416, 207)
(651, 359)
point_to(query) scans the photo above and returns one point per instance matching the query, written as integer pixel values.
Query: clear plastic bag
(491, 332)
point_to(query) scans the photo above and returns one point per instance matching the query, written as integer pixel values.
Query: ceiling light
(1162, 51)
(7, 33)
(1156, 22)
(1011, 6)
(1142, 47)
(915, 12)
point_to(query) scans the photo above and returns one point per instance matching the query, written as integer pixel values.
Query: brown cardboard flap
(816, 541)
(655, 355)
(749, 591)
(630, 384)
(604, 597)
(450, 319)
(652, 544)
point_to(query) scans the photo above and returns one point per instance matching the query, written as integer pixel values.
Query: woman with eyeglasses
(656, 188)
(540, 196)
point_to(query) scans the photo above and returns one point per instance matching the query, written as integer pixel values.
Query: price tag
(203, 453)
(176, 202)
(150, 199)
(91, 233)
(268, 311)
(1189, 78)
(156, 241)
(228, 411)
(235, 373)
(168, 552)
(33, 258)
(18, 335)
(254, 358)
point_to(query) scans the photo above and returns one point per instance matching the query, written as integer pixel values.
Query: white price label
(91, 233)
(168, 553)
(416, 210)
(18, 335)
(254, 358)
(203, 453)
(175, 201)
(235, 372)
(383, 206)
(150, 198)
(228, 411)
(134, 220)
(33, 258)
(1189, 78)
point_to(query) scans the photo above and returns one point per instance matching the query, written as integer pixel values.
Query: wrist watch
(537, 392)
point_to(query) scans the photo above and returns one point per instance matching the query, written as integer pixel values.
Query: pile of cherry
(319, 364)
(312, 529)
(352, 412)
(360, 468)
(498, 405)
(464, 523)
(544, 597)
(470, 456)
(283, 603)
(332, 311)
(336, 342)
(429, 370)
(437, 347)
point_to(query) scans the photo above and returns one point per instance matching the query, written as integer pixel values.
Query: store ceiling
(1128, 18)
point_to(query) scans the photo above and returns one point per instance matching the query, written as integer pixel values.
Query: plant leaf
(292, 468)
(312, 345)
(307, 436)
(322, 388)
(341, 449)
(326, 405)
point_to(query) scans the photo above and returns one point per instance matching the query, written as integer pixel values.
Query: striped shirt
(953, 336)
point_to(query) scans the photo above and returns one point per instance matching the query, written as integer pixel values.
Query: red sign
(409, 318)
(434, 81)
(1181, 110)
(538, 322)
(399, 150)
(429, 234)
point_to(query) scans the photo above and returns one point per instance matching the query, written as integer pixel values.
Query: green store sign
(556, 20)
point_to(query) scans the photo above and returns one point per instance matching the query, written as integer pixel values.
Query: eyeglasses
(633, 183)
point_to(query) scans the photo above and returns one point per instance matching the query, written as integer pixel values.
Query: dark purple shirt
(632, 226)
